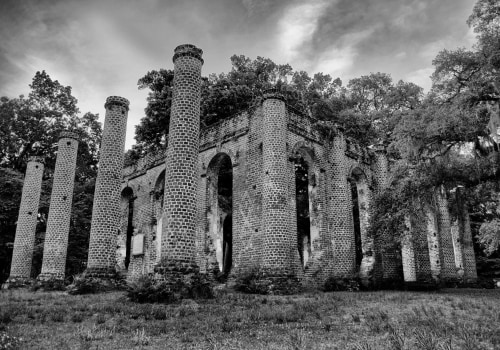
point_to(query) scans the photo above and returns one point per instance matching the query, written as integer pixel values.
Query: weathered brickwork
(181, 172)
(56, 236)
(447, 256)
(462, 238)
(278, 241)
(165, 215)
(176, 202)
(106, 209)
(24, 241)
(433, 242)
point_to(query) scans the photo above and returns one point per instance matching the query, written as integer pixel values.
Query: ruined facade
(269, 189)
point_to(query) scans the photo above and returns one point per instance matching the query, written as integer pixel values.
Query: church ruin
(223, 201)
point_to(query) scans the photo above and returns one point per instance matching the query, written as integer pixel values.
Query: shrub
(252, 282)
(83, 284)
(195, 286)
(338, 284)
(51, 284)
(145, 289)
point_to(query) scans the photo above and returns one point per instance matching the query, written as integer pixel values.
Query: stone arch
(219, 210)
(307, 198)
(159, 189)
(126, 228)
(360, 201)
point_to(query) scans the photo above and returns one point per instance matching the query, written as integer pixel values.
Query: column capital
(69, 135)
(117, 100)
(188, 50)
(273, 93)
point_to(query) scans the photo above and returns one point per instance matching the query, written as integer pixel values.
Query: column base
(47, 276)
(276, 281)
(14, 282)
(101, 272)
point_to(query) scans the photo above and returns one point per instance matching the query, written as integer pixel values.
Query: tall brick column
(340, 222)
(56, 236)
(24, 241)
(465, 237)
(448, 268)
(279, 242)
(181, 173)
(106, 209)
(388, 265)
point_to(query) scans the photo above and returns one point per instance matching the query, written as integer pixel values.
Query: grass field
(448, 319)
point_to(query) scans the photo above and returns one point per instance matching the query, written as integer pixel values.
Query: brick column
(408, 253)
(56, 236)
(179, 220)
(340, 211)
(106, 209)
(388, 264)
(433, 243)
(448, 268)
(20, 268)
(465, 236)
(279, 242)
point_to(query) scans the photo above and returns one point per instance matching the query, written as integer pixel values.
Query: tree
(31, 126)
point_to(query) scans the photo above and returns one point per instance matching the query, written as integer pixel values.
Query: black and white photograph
(250, 174)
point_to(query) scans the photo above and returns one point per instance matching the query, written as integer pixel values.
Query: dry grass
(449, 319)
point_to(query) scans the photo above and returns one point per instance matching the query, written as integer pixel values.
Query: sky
(102, 47)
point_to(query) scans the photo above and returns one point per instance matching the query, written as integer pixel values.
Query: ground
(447, 319)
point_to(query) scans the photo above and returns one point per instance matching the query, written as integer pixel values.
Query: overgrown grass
(448, 319)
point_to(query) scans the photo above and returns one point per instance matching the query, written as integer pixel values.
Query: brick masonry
(331, 161)
(178, 250)
(106, 210)
(24, 241)
(56, 236)
(171, 200)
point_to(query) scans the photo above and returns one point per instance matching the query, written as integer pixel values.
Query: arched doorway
(128, 198)
(307, 213)
(302, 209)
(360, 216)
(219, 210)
(158, 198)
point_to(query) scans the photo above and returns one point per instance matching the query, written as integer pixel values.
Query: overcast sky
(101, 48)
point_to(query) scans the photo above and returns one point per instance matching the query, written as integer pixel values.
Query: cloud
(351, 38)
(102, 48)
